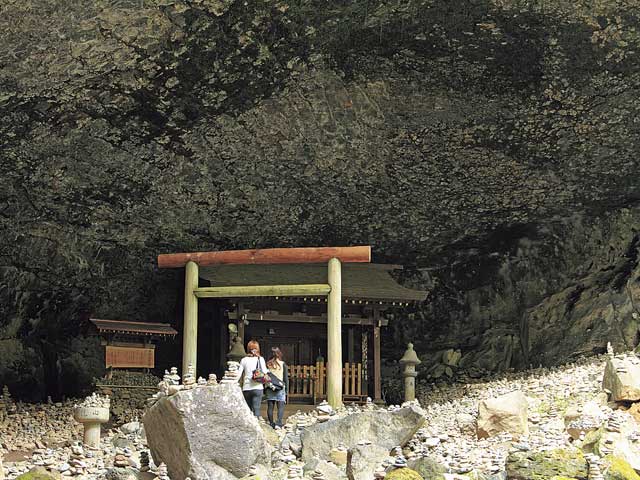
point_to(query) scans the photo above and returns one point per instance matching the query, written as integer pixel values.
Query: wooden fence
(310, 381)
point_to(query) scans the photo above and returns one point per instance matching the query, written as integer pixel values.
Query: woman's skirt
(276, 395)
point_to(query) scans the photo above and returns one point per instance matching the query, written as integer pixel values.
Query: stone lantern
(237, 352)
(92, 412)
(409, 361)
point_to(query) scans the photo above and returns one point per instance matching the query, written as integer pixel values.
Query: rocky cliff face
(489, 145)
(546, 294)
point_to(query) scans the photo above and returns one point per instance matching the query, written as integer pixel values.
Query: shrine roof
(360, 281)
(133, 328)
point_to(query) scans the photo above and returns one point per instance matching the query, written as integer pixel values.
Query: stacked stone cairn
(120, 460)
(95, 400)
(369, 405)
(144, 461)
(295, 471)
(189, 379)
(449, 437)
(318, 475)
(171, 385)
(6, 404)
(77, 460)
(162, 473)
(286, 455)
(324, 411)
(595, 467)
(399, 460)
(380, 472)
(231, 374)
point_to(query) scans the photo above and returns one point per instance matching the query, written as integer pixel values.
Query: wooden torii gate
(333, 256)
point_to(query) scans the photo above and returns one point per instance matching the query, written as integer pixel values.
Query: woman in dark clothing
(277, 397)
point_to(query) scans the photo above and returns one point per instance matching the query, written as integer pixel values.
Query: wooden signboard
(129, 357)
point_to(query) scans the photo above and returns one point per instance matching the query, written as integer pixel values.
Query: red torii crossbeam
(359, 254)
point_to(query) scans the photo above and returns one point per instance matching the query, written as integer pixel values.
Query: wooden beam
(334, 334)
(361, 254)
(377, 378)
(298, 318)
(262, 291)
(190, 327)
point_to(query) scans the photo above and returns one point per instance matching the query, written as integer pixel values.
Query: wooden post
(377, 379)
(241, 323)
(365, 360)
(190, 327)
(223, 341)
(334, 334)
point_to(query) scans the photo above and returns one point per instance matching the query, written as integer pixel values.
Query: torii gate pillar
(334, 334)
(190, 327)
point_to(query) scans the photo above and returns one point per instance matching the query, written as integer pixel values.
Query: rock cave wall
(486, 145)
(536, 295)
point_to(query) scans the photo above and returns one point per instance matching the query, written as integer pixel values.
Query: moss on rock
(428, 468)
(404, 474)
(619, 469)
(39, 473)
(591, 441)
(567, 463)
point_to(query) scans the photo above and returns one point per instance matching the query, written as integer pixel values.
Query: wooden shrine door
(295, 351)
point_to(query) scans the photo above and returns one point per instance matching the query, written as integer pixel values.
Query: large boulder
(362, 461)
(622, 378)
(206, 433)
(383, 428)
(507, 413)
(569, 463)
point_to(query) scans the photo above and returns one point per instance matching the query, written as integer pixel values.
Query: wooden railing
(310, 381)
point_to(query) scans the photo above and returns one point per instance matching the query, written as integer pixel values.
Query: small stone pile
(7, 406)
(566, 407)
(95, 400)
(65, 455)
(38, 426)
(231, 375)
(170, 383)
(128, 392)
